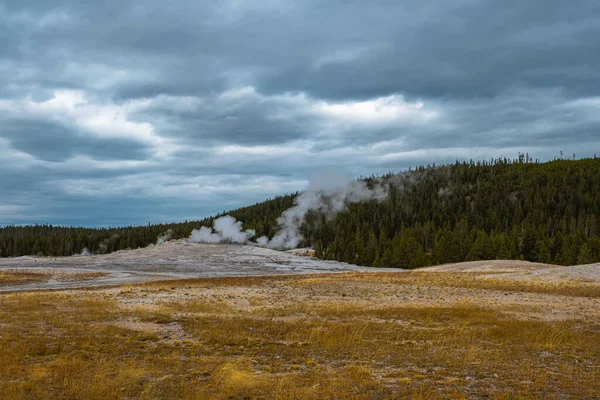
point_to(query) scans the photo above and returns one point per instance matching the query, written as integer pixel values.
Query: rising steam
(225, 230)
(84, 253)
(323, 196)
(164, 237)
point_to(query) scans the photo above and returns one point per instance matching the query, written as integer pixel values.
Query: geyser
(326, 196)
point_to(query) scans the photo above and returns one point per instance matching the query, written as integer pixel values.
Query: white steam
(103, 246)
(85, 252)
(164, 237)
(325, 200)
(225, 230)
(329, 195)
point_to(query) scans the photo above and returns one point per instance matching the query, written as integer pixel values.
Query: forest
(470, 210)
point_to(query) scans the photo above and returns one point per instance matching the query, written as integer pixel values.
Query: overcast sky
(129, 112)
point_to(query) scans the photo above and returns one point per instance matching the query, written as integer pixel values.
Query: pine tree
(447, 249)
(528, 244)
(386, 258)
(500, 243)
(372, 251)
(585, 255)
(544, 255)
(419, 258)
(319, 253)
(482, 248)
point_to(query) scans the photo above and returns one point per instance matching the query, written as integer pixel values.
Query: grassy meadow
(355, 336)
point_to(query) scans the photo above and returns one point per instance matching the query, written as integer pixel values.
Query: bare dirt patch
(166, 331)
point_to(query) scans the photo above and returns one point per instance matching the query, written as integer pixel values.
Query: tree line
(497, 209)
(493, 209)
(49, 240)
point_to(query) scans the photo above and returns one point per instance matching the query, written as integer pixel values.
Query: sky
(133, 112)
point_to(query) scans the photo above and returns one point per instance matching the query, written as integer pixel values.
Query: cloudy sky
(129, 112)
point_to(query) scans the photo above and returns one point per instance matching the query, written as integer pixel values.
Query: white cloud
(375, 111)
(590, 106)
(347, 55)
(88, 164)
(381, 110)
(187, 188)
(102, 76)
(104, 120)
(452, 153)
(264, 151)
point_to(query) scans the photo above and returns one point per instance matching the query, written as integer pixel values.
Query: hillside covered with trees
(497, 209)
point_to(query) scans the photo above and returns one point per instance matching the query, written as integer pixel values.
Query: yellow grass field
(416, 335)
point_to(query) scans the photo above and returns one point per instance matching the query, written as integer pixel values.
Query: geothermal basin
(176, 259)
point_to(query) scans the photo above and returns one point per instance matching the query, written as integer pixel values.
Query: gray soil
(171, 260)
(524, 270)
(179, 259)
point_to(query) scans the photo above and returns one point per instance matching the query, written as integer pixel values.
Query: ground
(498, 329)
(176, 259)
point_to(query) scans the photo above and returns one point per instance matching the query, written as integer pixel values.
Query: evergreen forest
(470, 210)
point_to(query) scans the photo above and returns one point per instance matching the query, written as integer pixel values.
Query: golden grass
(326, 337)
(19, 278)
(16, 277)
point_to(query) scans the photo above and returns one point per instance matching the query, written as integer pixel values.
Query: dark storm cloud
(50, 141)
(469, 49)
(328, 49)
(127, 112)
(239, 116)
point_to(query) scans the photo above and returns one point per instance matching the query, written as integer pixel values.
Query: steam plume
(326, 200)
(165, 237)
(225, 230)
(328, 195)
(85, 252)
(103, 246)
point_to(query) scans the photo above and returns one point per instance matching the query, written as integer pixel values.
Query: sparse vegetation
(359, 336)
(22, 277)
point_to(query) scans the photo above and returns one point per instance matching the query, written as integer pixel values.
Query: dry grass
(20, 278)
(483, 281)
(23, 277)
(359, 336)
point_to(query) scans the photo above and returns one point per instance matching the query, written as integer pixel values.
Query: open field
(450, 333)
